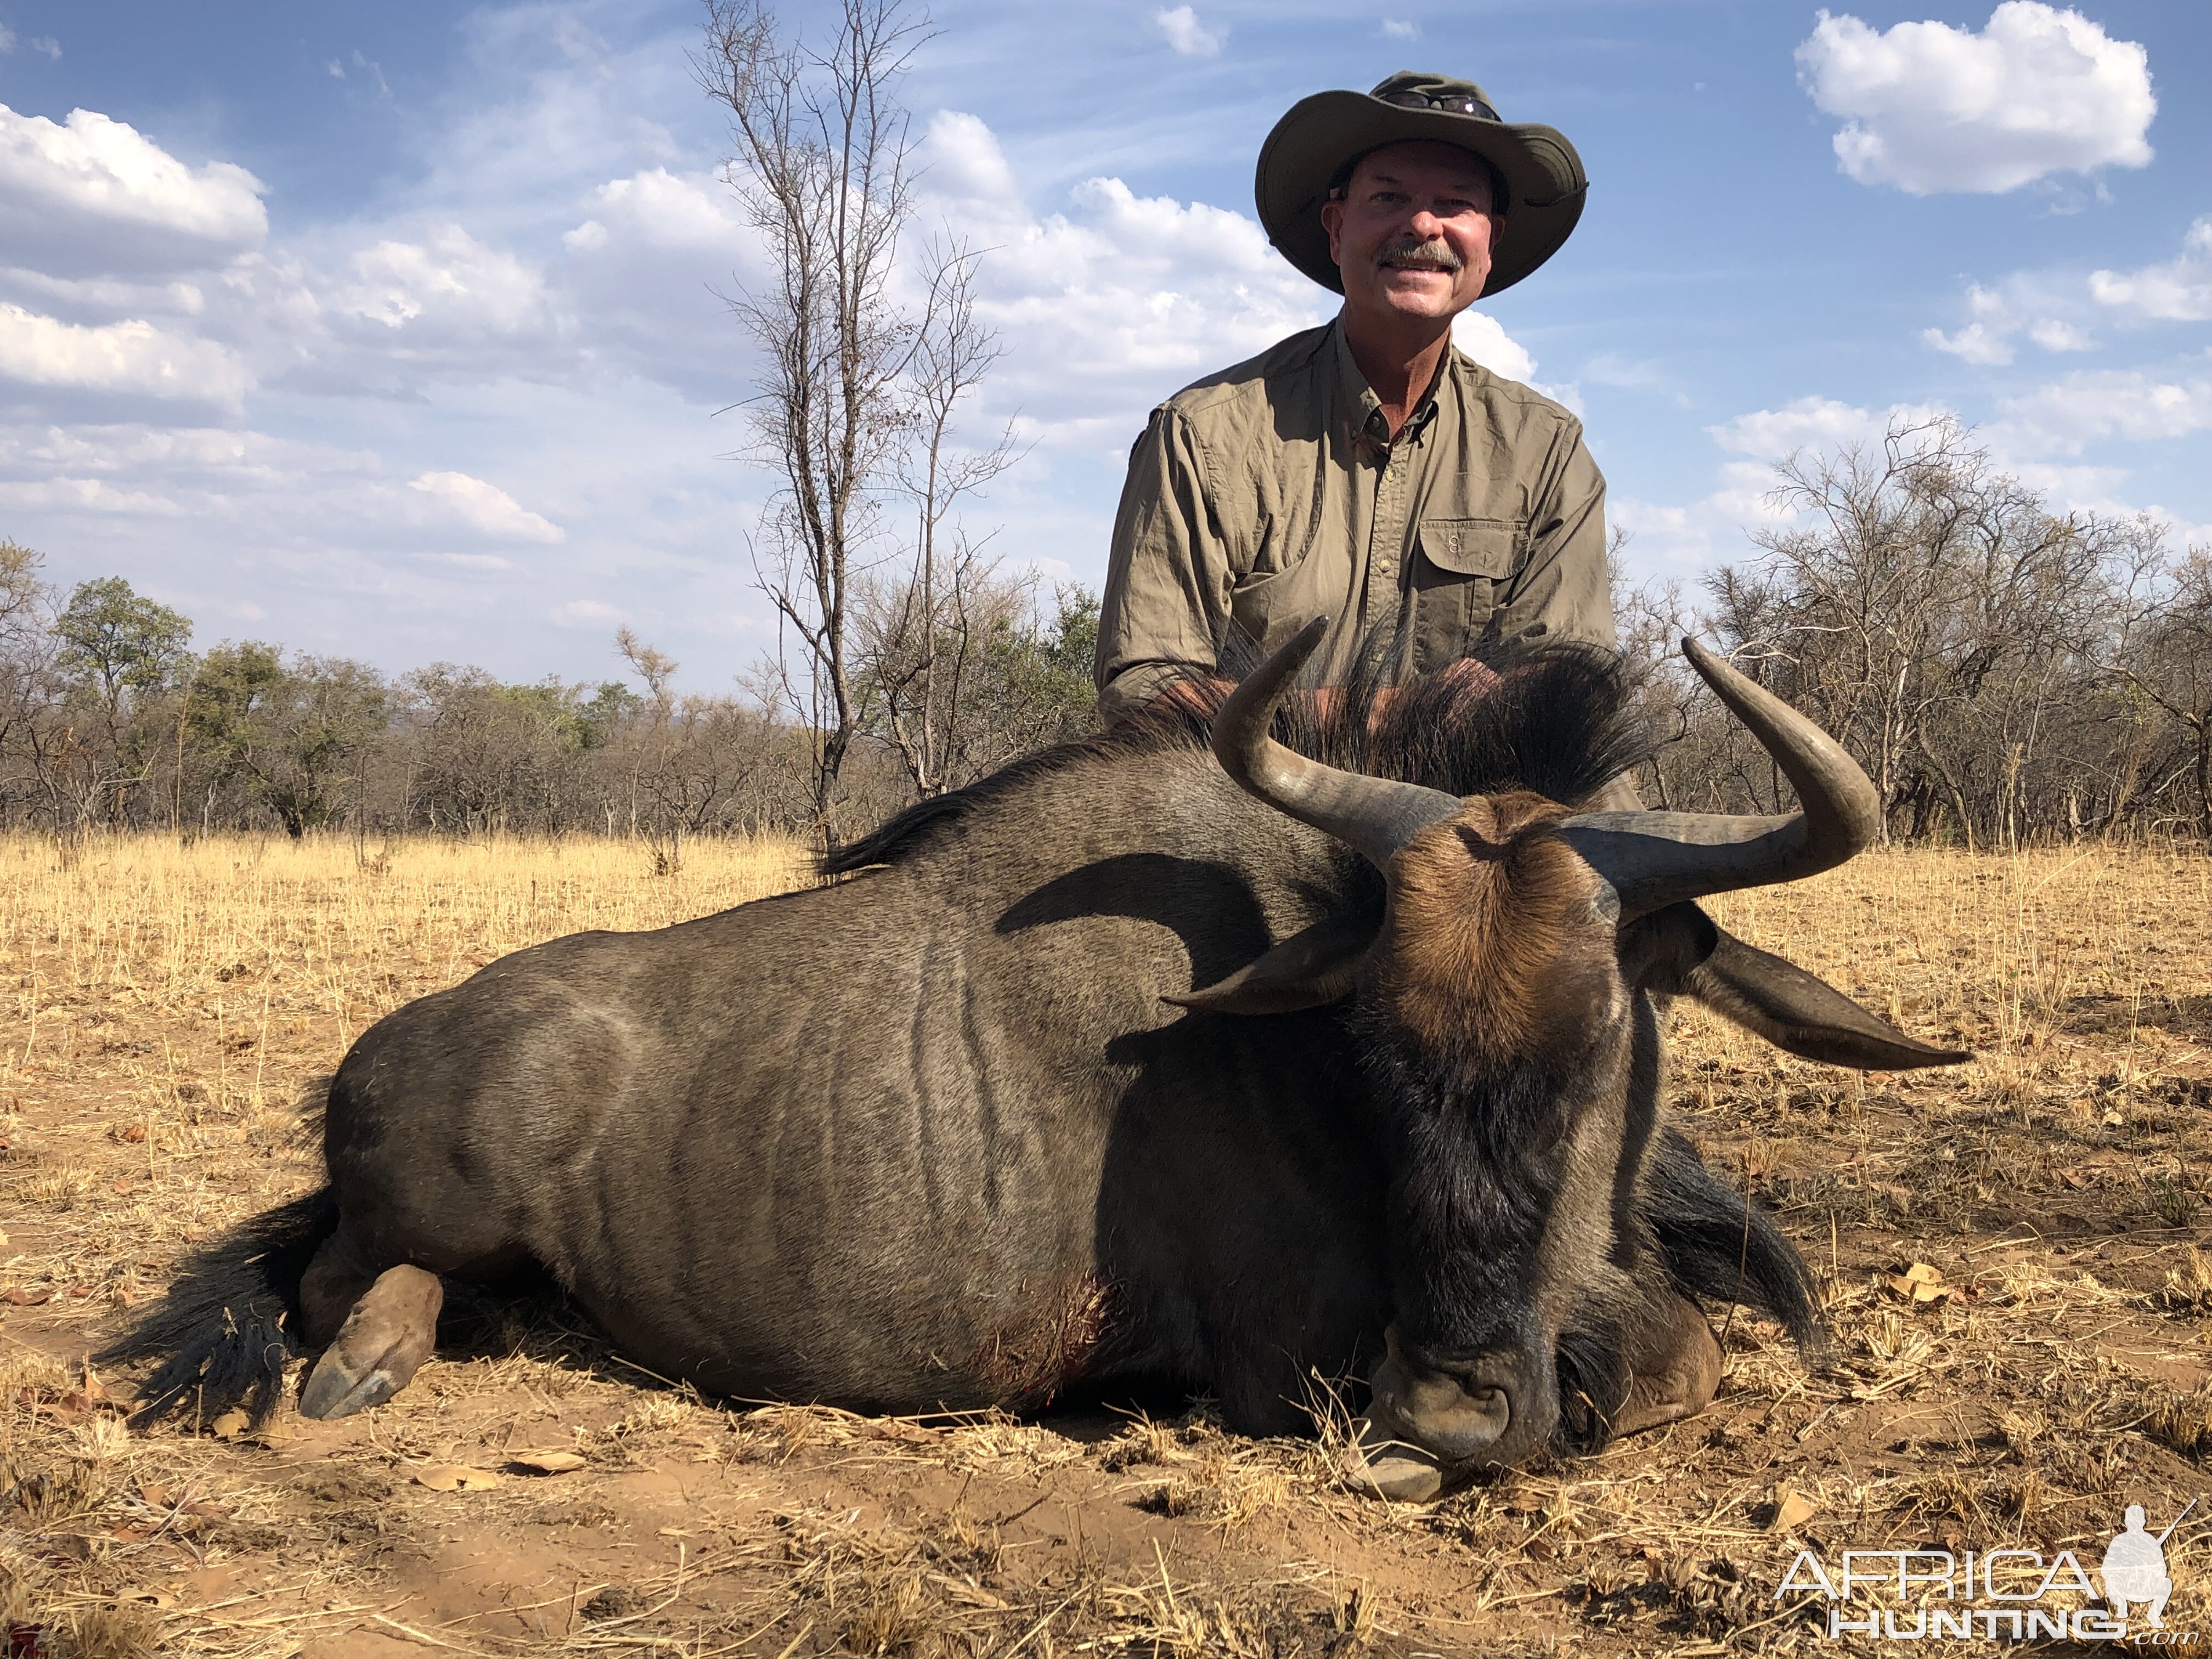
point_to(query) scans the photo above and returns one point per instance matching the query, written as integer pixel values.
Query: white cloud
(1978, 342)
(1396, 28)
(2054, 308)
(451, 281)
(46, 43)
(218, 457)
(2024, 302)
(1986, 339)
(132, 358)
(487, 509)
(1678, 538)
(1485, 339)
(660, 209)
(96, 198)
(1187, 34)
(2053, 334)
(108, 296)
(2180, 291)
(1928, 107)
(1808, 423)
(63, 494)
(641, 288)
(965, 170)
(1107, 308)
(2066, 414)
(2101, 490)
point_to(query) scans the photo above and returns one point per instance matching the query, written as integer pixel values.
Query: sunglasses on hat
(1454, 103)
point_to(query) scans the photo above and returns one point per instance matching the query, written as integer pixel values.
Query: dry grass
(164, 1006)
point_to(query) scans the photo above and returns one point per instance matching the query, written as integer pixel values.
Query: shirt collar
(1365, 410)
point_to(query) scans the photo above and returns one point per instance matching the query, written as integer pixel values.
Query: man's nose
(1426, 225)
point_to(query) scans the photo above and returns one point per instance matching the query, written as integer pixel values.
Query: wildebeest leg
(338, 1275)
(1674, 1364)
(381, 1328)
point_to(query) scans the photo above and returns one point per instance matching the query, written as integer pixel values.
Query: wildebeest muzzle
(1480, 1410)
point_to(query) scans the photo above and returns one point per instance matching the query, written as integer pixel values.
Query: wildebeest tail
(1720, 1245)
(224, 1329)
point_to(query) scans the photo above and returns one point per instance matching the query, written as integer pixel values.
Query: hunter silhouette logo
(2135, 1568)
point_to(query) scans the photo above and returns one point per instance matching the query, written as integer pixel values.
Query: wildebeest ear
(1660, 952)
(1314, 966)
(1792, 1010)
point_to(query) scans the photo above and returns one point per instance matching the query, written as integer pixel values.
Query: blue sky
(391, 332)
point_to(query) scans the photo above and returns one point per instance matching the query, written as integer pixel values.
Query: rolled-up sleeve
(1561, 590)
(1168, 580)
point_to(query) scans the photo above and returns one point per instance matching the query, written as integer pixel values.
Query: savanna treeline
(110, 720)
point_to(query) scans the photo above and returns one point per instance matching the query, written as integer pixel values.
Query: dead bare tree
(823, 167)
(926, 630)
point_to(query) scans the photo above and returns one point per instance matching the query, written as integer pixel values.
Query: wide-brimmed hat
(1320, 138)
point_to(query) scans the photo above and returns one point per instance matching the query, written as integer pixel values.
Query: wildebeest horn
(1374, 815)
(1653, 859)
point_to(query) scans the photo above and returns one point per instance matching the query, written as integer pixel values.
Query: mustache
(1435, 254)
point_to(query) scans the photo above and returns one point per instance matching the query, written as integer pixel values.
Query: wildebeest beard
(1478, 1164)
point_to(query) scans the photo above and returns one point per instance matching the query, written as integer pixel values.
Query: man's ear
(1332, 221)
(1679, 951)
(1314, 966)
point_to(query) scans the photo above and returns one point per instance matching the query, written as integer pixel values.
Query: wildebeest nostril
(1459, 1411)
(1467, 1424)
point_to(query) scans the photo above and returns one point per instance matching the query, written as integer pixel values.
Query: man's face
(1413, 233)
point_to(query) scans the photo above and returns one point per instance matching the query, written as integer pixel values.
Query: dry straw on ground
(2011, 1253)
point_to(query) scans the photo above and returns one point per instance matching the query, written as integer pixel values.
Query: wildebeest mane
(1556, 718)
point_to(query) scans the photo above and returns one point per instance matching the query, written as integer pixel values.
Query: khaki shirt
(1272, 494)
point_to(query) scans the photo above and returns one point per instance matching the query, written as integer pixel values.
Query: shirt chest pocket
(1463, 571)
(1471, 547)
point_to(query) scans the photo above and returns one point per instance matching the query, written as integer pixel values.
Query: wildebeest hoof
(1382, 1467)
(336, 1389)
(382, 1344)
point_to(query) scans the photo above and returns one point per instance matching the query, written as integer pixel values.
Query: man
(1367, 471)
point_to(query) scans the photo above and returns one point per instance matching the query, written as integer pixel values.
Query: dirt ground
(2010, 1254)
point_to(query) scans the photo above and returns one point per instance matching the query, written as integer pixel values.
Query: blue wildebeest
(1132, 1063)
